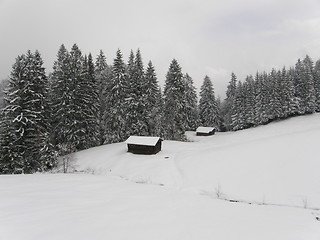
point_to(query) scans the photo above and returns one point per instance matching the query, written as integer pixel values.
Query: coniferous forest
(86, 102)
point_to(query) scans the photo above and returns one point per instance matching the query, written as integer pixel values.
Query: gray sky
(211, 38)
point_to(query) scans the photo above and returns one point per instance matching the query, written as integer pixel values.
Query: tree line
(85, 103)
(270, 96)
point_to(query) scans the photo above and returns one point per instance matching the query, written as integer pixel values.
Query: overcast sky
(207, 37)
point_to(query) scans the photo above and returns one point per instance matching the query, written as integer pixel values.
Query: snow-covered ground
(271, 174)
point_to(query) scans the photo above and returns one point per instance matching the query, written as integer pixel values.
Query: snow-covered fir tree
(238, 109)
(74, 100)
(274, 108)
(103, 76)
(226, 108)
(308, 75)
(117, 99)
(249, 92)
(174, 115)
(289, 102)
(3, 85)
(260, 101)
(89, 104)
(153, 102)
(136, 119)
(317, 84)
(24, 142)
(208, 109)
(192, 114)
(304, 86)
(77, 125)
(62, 90)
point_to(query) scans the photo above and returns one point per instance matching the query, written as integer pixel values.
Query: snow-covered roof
(142, 140)
(205, 129)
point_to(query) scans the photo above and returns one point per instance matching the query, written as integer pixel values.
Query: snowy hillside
(270, 174)
(278, 163)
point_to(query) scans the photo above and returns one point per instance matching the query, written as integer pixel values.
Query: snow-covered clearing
(175, 193)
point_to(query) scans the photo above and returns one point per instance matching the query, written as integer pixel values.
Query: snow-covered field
(271, 174)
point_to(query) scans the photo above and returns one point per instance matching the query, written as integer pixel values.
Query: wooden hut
(205, 131)
(144, 145)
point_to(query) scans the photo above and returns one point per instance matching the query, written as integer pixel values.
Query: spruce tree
(136, 119)
(24, 143)
(288, 101)
(142, 89)
(238, 121)
(174, 103)
(74, 100)
(317, 84)
(103, 75)
(304, 86)
(308, 78)
(208, 109)
(77, 125)
(250, 101)
(152, 101)
(260, 110)
(89, 103)
(275, 108)
(62, 97)
(226, 109)
(117, 94)
(192, 115)
(3, 85)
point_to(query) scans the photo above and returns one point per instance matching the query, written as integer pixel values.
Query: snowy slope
(173, 194)
(278, 163)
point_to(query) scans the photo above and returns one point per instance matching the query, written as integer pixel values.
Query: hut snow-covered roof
(142, 140)
(205, 129)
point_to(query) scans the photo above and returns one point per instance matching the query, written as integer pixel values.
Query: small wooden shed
(205, 131)
(143, 144)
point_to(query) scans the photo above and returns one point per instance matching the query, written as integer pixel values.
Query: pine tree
(174, 103)
(288, 101)
(3, 85)
(25, 144)
(317, 84)
(103, 76)
(308, 75)
(143, 86)
(208, 109)
(62, 94)
(192, 115)
(153, 101)
(261, 116)
(136, 119)
(117, 94)
(275, 108)
(77, 125)
(47, 154)
(219, 107)
(250, 101)
(238, 121)
(74, 100)
(226, 109)
(89, 104)
(304, 86)
(160, 127)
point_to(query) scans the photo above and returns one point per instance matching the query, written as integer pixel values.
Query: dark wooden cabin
(144, 145)
(205, 131)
